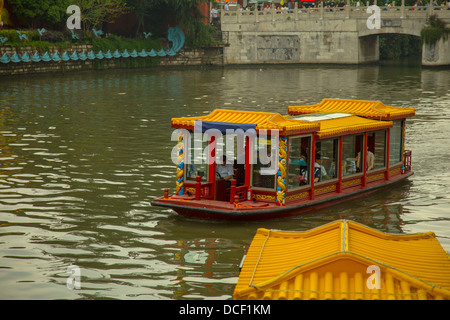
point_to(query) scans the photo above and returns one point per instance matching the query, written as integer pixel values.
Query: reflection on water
(83, 155)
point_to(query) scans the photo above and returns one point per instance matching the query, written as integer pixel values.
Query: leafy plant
(94, 13)
(434, 31)
(396, 46)
(114, 42)
(186, 13)
(32, 13)
(13, 36)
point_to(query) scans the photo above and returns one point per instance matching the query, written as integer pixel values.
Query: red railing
(203, 190)
(237, 194)
(407, 161)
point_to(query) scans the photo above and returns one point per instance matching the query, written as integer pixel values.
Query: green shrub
(13, 36)
(113, 42)
(396, 46)
(434, 31)
(54, 36)
(431, 35)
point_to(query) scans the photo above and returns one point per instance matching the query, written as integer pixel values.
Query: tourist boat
(343, 260)
(284, 165)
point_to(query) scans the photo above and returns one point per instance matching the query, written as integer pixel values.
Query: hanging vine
(434, 31)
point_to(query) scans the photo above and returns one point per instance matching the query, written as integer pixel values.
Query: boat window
(351, 146)
(396, 143)
(299, 157)
(259, 180)
(376, 142)
(196, 163)
(327, 152)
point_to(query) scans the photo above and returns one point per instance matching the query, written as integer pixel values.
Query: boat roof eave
(365, 108)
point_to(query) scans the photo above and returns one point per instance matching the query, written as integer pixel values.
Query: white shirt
(224, 171)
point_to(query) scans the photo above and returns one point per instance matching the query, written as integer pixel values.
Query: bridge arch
(384, 46)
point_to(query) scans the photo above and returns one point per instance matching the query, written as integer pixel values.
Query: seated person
(303, 177)
(369, 164)
(318, 168)
(225, 171)
(350, 165)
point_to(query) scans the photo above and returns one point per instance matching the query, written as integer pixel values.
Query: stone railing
(273, 14)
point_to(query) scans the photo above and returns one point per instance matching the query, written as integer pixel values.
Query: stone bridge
(346, 35)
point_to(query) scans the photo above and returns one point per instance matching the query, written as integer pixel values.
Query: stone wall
(288, 41)
(436, 54)
(195, 57)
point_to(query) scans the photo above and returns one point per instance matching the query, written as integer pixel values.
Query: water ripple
(79, 167)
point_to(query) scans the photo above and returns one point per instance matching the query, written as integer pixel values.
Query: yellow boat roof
(340, 124)
(262, 120)
(337, 124)
(363, 108)
(338, 261)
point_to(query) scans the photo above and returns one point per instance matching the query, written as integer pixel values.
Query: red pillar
(339, 184)
(388, 143)
(247, 161)
(212, 164)
(364, 154)
(313, 160)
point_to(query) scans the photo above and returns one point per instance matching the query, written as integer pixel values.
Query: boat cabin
(321, 148)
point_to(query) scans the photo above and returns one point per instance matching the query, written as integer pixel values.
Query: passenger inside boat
(298, 162)
(318, 169)
(224, 174)
(350, 165)
(225, 171)
(370, 160)
(327, 150)
(351, 146)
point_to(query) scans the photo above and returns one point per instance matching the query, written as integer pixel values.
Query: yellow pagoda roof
(262, 120)
(340, 260)
(343, 124)
(363, 108)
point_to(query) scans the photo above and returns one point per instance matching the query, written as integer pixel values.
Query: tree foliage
(186, 13)
(396, 46)
(39, 13)
(152, 15)
(94, 13)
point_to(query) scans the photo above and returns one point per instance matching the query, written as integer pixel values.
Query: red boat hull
(219, 210)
